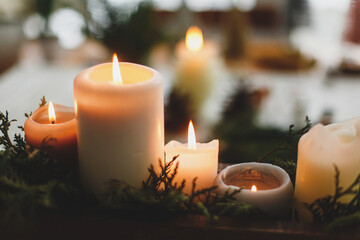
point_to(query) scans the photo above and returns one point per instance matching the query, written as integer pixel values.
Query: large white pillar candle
(263, 185)
(120, 124)
(196, 160)
(318, 151)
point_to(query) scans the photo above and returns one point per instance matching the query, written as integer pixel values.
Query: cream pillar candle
(195, 67)
(120, 124)
(59, 124)
(318, 151)
(195, 160)
(265, 186)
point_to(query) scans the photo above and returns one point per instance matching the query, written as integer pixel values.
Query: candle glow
(275, 188)
(51, 112)
(191, 136)
(194, 38)
(116, 70)
(128, 116)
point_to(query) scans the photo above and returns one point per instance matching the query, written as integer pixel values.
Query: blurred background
(262, 66)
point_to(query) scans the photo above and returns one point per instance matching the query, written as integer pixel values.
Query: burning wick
(253, 188)
(51, 111)
(191, 136)
(194, 39)
(116, 70)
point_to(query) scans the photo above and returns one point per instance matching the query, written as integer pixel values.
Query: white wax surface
(201, 162)
(275, 201)
(318, 151)
(195, 72)
(121, 126)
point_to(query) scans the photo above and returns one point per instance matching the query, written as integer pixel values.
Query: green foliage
(31, 183)
(288, 144)
(42, 103)
(161, 196)
(243, 141)
(178, 112)
(331, 210)
(129, 34)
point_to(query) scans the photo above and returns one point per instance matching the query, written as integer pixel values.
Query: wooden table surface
(184, 227)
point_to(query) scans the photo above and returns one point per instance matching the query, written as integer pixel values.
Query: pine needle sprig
(4, 128)
(163, 193)
(331, 210)
(287, 145)
(30, 180)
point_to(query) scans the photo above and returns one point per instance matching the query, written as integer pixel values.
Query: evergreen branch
(5, 124)
(286, 144)
(42, 103)
(330, 209)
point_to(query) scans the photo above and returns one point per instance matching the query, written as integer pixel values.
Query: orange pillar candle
(55, 126)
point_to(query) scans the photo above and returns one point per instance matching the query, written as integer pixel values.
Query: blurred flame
(75, 107)
(194, 38)
(253, 188)
(51, 111)
(116, 70)
(191, 136)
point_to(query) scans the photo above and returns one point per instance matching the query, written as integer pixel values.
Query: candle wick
(53, 122)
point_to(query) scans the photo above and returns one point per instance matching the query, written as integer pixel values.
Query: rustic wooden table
(184, 227)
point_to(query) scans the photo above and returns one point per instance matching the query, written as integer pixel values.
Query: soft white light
(191, 136)
(33, 26)
(253, 188)
(167, 5)
(199, 5)
(116, 70)
(245, 5)
(339, 6)
(67, 25)
(194, 38)
(51, 112)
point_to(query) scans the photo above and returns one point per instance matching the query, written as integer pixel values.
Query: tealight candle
(318, 151)
(120, 115)
(55, 126)
(195, 71)
(265, 186)
(196, 160)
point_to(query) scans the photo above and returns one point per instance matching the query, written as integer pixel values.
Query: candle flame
(191, 136)
(116, 70)
(75, 107)
(194, 38)
(51, 111)
(253, 188)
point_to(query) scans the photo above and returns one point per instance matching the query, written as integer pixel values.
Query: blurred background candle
(319, 150)
(195, 73)
(54, 125)
(195, 160)
(120, 123)
(265, 186)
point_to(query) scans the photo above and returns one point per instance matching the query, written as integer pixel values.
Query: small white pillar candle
(195, 160)
(120, 124)
(318, 151)
(265, 186)
(195, 67)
